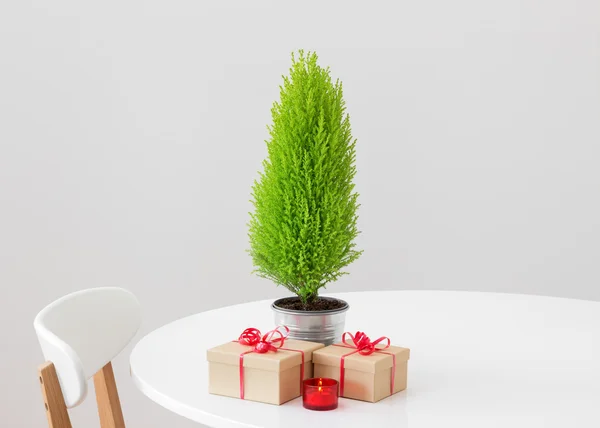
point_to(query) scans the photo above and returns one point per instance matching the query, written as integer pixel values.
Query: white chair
(80, 334)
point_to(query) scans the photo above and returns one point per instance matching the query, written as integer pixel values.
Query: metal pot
(324, 327)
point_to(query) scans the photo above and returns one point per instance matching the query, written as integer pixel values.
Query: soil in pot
(320, 304)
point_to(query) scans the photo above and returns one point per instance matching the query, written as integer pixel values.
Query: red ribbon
(271, 341)
(363, 346)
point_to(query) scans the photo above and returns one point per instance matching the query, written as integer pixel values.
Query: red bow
(363, 344)
(266, 343)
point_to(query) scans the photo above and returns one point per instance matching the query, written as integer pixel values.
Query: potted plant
(303, 226)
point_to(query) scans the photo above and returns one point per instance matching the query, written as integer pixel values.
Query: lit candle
(320, 394)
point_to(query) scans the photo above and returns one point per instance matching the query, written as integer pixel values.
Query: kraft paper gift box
(272, 377)
(365, 377)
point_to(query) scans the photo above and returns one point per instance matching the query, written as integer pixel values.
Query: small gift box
(365, 370)
(268, 368)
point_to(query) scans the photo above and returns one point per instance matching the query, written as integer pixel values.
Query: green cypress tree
(303, 226)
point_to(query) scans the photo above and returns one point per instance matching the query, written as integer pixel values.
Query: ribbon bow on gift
(363, 346)
(266, 343)
(261, 344)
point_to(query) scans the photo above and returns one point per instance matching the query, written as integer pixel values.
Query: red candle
(320, 394)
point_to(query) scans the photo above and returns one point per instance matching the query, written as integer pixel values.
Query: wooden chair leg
(56, 410)
(107, 397)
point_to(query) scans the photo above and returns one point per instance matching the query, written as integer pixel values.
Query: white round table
(477, 360)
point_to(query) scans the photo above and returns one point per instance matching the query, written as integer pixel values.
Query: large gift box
(368, 371)
(268, 368)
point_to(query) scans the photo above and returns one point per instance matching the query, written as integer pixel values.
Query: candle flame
(320, 384)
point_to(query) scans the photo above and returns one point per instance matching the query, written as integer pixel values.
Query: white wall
(130, 134)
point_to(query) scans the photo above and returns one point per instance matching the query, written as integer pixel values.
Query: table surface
(477, 360)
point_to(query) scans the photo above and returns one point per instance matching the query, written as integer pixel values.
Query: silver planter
(324, 327)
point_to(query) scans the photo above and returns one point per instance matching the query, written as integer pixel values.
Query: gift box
(269, 369)
(365, 370)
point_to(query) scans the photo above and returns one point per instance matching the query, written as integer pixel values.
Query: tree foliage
(303, 226)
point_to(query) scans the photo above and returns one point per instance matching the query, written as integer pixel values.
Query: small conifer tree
(303, 226)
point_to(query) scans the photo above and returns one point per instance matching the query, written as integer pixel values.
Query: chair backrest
(82, 332)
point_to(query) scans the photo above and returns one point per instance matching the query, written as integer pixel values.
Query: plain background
(131, 133)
